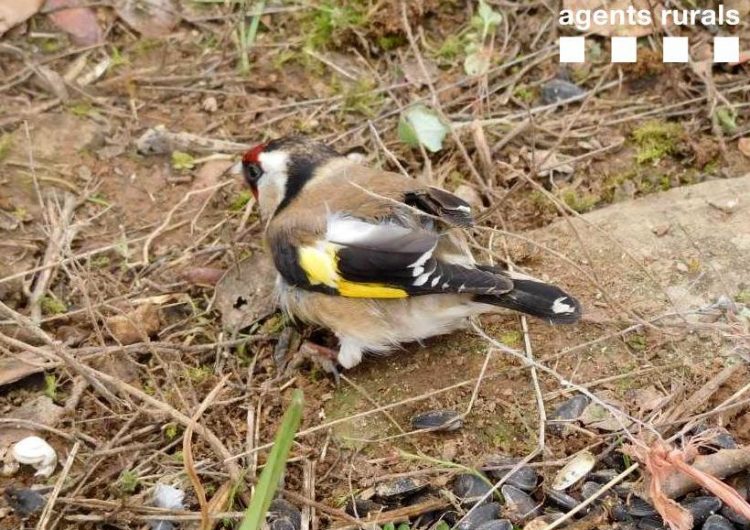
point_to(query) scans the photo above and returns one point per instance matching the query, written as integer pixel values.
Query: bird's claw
(325, 358)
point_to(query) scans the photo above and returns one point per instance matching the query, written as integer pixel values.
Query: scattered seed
(437, 420)
(574, 471)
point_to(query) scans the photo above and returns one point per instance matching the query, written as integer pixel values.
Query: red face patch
(251, 157)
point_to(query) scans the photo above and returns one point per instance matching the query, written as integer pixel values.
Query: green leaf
(182, 161)
(442, 525)
(727, 119)
(389, 526)
(404, 526)
(255, 515)
(421, 125)
(489, 16)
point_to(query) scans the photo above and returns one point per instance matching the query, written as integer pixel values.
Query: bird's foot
(325, 358)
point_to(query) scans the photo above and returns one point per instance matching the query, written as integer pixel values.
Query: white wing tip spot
(560, 306)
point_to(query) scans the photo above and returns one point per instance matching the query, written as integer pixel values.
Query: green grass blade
(269, 479)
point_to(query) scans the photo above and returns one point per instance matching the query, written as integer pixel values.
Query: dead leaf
(649, 398)
(136, 325)
(78, 22)
(14, 12)
(743, 144)
(548, 162)
(609, 29)
(150, 18)
(17, 367)
(245, 293)
(202, 275)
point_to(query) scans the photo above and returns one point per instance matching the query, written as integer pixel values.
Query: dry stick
(47, 513)
(61, 237)
(308, 488)
(187, 451)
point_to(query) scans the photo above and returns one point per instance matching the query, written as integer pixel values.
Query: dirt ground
(634, 197)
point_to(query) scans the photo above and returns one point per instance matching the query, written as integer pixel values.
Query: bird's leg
(324, 357)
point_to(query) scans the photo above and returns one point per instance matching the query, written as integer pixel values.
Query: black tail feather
(537, 299)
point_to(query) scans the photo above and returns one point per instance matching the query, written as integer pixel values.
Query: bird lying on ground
(376, 257)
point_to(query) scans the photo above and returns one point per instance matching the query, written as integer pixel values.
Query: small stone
(498, 466)
(437, 420)
(480, 515)
(400, 487)
(497, 524)
(701, 508)
(470, 488)
(661, 230)
(717, 522)
(210, 104)
(560, 90)
(519, 506)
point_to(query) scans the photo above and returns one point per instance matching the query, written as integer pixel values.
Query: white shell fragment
(34, 451)
(574, 471)
(168, 497)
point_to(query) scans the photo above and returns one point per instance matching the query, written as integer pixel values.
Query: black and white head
(277, 171)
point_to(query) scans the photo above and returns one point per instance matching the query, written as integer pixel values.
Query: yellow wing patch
(319, 264)
(369, 290)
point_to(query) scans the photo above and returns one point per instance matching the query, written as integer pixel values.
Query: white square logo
(624, 49)
(676, 50)
(726, 49)
(572, 49)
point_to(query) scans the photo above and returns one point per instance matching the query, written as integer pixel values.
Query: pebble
(400, 487)
(470, 488)
(702, 507)
(525, 478)
(560, 90)
(518, 505)
(717, 522)
(479, 516)
(437, 420)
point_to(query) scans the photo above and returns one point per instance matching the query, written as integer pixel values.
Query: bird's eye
(252, 173)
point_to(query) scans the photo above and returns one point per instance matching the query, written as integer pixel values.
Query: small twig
(47, 512)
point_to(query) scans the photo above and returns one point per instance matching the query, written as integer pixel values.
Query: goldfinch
(369, 255)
